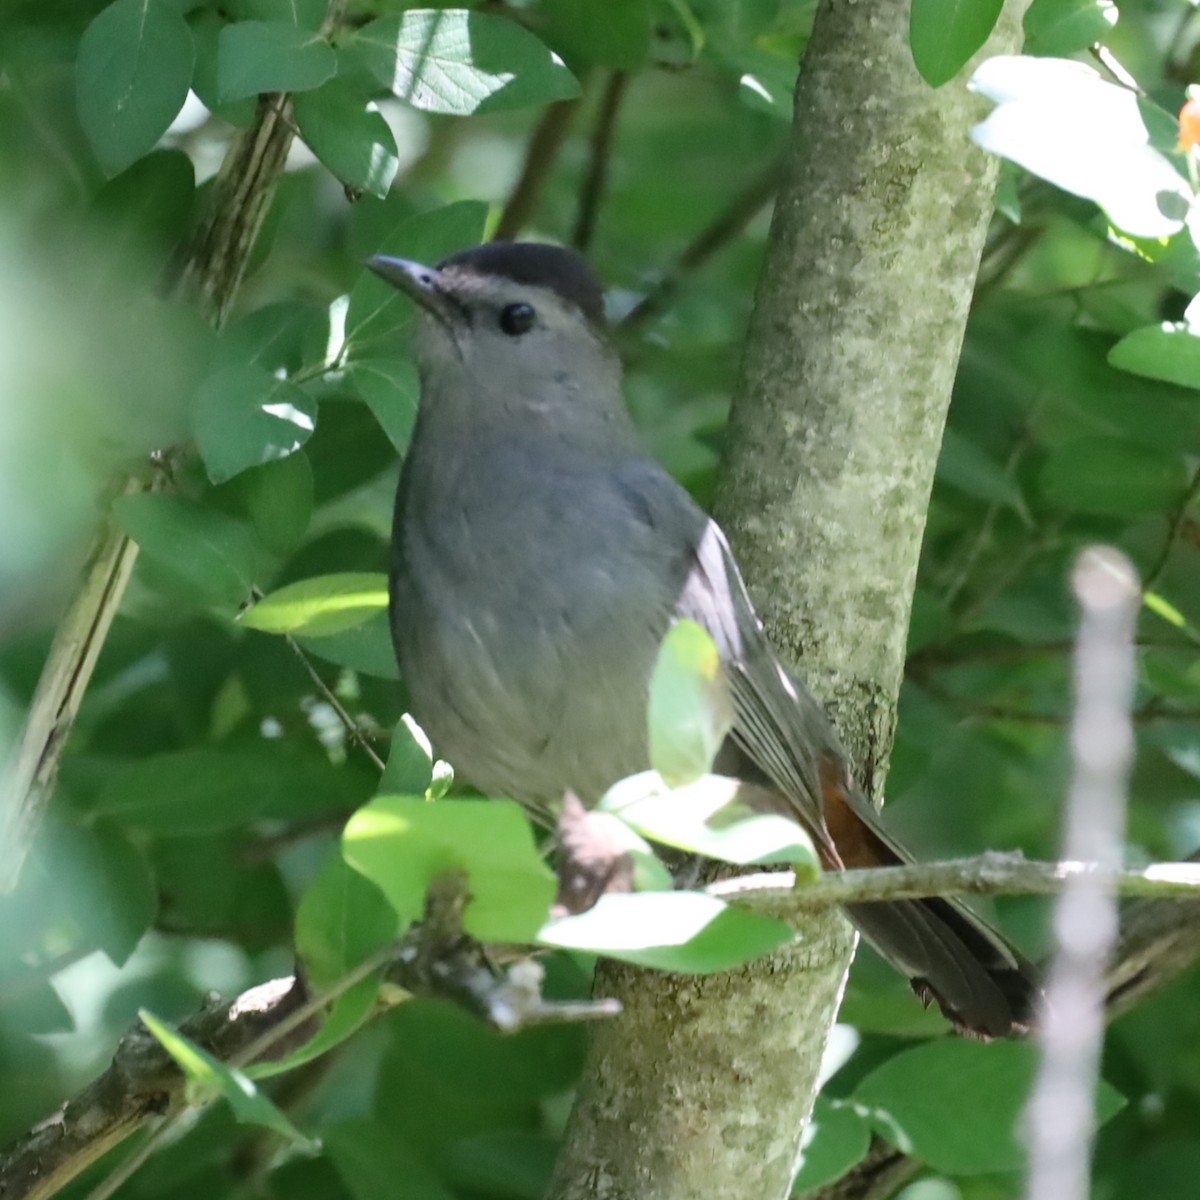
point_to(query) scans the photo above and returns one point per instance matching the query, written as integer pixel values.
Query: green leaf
(671, 931)
(963, 465)
(1168, 352)
(706, 817)
(390, 388)
(372, 1160)
(455, 61)
(321, 606)
(377, 310)
(206, 26)
(403, 843)
(214, 554)
(837, 1137)
(131, 77)
(345, 131)
(964, 1116)
(690, 710)
(271, 56)
(243, 416)
(209, 1078)
(1109, 477)
(342, 919)
(204, 791)
(348, 1013)
(614, 34)
(1062, 27)
(409, 770)
(279, 499)
(945, 33)
(1061, 121)
(366, 648)
(309, 14)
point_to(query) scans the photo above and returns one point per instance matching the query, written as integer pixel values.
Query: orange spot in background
(1189, 125)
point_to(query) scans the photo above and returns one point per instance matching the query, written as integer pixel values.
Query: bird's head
(515, 324)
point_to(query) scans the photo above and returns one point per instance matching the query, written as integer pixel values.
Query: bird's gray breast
(527, 610)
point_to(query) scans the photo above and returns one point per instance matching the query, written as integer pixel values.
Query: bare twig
(596, 178)
(991, 874)
(355, 731)
(741, 209)
(540, 156)
(1060, 1116)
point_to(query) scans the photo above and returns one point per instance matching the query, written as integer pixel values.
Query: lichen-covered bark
(702, 1089)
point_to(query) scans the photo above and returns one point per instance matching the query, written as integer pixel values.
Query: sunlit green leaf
(945, 33)
(1169, 352)
(404, 843)
(321, 606)
(456, 61)
(690, 710)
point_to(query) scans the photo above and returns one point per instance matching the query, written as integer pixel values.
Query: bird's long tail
(979, 980)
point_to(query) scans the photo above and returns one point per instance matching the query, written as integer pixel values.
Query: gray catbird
(540, 557)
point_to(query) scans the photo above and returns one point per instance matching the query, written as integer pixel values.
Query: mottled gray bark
(703, 1088)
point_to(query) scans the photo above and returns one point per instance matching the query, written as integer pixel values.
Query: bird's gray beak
(416, 281)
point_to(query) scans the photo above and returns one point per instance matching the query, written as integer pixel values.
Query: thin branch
(1174, 528)
(540, 156)
(1108, 60)
(991, 874)
(143, 1085)
(596, 178)
(741, 209)
(355, 731)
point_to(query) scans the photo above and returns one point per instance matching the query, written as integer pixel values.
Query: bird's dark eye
(517, 319)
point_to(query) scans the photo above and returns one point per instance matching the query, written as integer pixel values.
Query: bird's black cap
(540, 265)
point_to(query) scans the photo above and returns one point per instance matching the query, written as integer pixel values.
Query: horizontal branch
(992, 874)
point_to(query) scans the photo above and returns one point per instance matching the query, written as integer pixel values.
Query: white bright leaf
(706, 817)
(1061, 121)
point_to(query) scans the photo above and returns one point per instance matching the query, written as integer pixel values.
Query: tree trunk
(703, 1087)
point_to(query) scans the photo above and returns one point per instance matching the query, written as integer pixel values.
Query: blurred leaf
(366, 648)
(321, 606)
(1061, 121)
(706, 817)
(836, 1139)
(690, 710)
(1169, 352)
(271, 56)
(207, 790)
(279, 498)
(614, 34)
(409, 770)
(244, 416)
(343, 918)
(1106, 476)
(509, 1165)
(348, 135)
(348, 1013)
(206, 26)
(963, 1118)
(308, 14)
(376, 308)
(133, 72)
(670, 931)
(403, 844)
(390, 388)
(215, 554)
(1061, 27)
(965, 466)
(945, 33)
(208, 1077)
(371, 1159)
(456, 61)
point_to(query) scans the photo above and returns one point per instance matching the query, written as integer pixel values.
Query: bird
(539, 558)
